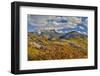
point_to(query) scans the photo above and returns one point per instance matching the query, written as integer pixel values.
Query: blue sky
(61, 24)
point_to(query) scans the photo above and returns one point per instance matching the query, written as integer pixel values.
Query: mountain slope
(42, 48)
(73, 34)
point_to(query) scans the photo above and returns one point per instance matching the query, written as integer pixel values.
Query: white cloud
(42, 22)
(84, 33)
(79, 31)
(81, 27)
(59, 31)
(74, 20)
(86, 22)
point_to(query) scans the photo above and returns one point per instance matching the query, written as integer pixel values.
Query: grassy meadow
(40, 47)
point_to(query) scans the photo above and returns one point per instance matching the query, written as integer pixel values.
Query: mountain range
(53, 34)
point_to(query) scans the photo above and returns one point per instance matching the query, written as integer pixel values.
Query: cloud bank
(47, 22)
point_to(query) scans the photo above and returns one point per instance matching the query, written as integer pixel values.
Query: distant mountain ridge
(73, 34)
(53, 34)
